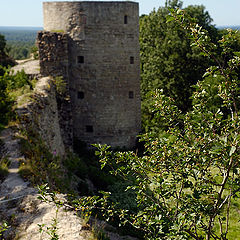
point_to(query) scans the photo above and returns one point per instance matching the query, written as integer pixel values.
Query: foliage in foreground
(188, 178)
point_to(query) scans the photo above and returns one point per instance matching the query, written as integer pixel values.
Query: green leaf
(237, 54)
(169, 19)
(206, 74)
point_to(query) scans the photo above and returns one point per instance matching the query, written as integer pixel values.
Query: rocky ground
(20, 206)
(30, 66)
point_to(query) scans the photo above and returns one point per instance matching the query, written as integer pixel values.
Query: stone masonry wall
(101, 56)
(54, 54)
(54, 62)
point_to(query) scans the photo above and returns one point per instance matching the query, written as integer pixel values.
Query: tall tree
(2, 44)
(168, 61)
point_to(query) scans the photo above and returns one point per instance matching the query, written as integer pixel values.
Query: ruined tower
(95, 47)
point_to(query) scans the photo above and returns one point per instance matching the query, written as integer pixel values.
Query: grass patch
(2, 126)
(57, 30)
(234, 228)
(234, 221)
(99, 234)
(16, 89)
(23, 94)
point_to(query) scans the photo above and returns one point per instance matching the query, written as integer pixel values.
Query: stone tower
(95, 46)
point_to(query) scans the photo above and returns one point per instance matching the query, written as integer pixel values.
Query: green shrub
(3, 227)
(101, 179)
(5, 101)
(11, 87)
(34, 51)
(17, 80)
(76, 165)
(60, 84)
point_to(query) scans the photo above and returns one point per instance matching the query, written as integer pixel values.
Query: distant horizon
(21, 27)
(41, 27)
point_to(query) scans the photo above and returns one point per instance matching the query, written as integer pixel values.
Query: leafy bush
(11, 87)
(3, 227)
(5, 102)
(100, 179)
(34, 52)
(76, 165)
(187, 181)
(17, 80)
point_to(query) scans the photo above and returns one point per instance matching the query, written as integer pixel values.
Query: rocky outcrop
(19, 203)
(21, 208)
(48, 112)
(42, 115)
(30, 66)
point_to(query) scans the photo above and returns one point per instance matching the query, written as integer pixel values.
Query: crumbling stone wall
(54, 54)
(98, 52)
(42, 115)
(54, 62)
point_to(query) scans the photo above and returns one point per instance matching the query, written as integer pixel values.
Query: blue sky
(29, 12)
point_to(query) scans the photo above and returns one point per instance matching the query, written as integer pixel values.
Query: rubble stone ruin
(94, 46)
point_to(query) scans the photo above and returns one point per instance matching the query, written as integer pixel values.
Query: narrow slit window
(125, 19)
(80, 95)
(80, 59)
(131, 94)
(89, 128)
(131, 60)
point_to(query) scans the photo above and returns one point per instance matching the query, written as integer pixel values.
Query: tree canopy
(168, 60)
(5, 60)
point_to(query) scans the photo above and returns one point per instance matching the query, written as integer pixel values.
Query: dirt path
(19, 204)
(13, 186)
